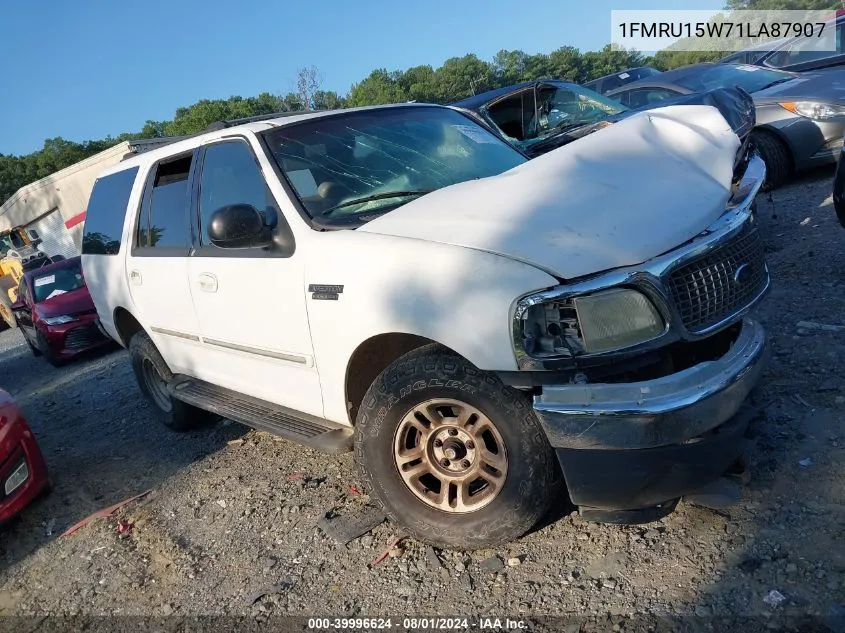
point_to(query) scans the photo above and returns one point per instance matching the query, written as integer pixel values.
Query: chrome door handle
(208, 282)
(135, 278)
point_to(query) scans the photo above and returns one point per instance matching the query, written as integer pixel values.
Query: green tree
(379, 87)
(609, 60)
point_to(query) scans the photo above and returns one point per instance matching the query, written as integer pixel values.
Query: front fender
(459, 297)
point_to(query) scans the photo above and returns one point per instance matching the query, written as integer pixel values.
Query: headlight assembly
(616, 319)
(59, 320)
(595, 323)
(814, 109)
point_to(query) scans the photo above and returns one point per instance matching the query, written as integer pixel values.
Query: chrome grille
(714, 286)
(82, 337)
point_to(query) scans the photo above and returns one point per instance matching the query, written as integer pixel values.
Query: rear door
(157, 266)
(251, 301)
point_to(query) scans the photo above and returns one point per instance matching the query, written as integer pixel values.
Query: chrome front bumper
(653, 413)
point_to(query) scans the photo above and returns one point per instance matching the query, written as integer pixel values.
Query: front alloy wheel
(450, 455)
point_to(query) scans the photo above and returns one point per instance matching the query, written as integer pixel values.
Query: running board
(302, 428)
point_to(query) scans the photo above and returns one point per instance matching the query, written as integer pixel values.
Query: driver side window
(807, 50)
(515, 115)
(231, 175)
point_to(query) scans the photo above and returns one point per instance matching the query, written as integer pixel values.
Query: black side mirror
(239, 226)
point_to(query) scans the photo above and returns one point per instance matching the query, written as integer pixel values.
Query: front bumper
(71, 339)
(19, 453)
(635, 445)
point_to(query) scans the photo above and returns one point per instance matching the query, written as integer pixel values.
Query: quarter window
(231, 175)
(163, 221)
(106, 213)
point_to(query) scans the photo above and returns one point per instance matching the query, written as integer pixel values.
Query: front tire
(452, 454)
(46, 351)
(153, 374)
(32, 348)
(776, 155)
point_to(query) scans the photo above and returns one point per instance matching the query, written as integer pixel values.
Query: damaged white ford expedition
(486, 332)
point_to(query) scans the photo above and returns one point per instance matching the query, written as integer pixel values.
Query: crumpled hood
(617, 197)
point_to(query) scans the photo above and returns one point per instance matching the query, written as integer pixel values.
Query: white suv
(483, 328)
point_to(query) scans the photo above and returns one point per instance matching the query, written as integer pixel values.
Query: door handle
(208, 282)
(135, 278)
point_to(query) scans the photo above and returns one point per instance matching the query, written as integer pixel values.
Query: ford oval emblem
(743, 274)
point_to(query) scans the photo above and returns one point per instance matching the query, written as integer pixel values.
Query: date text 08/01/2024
(415, 624)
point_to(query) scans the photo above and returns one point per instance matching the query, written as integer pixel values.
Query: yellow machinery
(18, 254)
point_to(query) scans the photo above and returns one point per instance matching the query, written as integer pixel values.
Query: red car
(23, 473)
(55, 312)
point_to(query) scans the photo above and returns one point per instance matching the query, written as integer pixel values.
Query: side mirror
(239, 226)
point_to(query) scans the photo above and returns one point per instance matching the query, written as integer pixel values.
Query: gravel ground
(231, 524)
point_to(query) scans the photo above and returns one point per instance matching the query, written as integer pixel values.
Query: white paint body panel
(448, 266)
(257, 304)
(461, 298)
(162, 299)
(618, 197)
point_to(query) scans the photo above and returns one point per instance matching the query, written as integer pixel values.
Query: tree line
(458, 77)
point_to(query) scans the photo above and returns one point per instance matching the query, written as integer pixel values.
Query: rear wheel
(453, 454)
(775, 154)
(153, 374)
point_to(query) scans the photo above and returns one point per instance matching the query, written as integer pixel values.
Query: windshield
(49, 285)
(750, 78)
(568, 106)
(347, 168)
(10, 241)
(526, 116)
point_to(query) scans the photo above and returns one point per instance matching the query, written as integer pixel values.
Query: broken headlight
(595, 323)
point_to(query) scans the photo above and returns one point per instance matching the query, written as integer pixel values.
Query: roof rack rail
(222, 125)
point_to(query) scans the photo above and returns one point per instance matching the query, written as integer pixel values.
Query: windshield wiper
(376, 196)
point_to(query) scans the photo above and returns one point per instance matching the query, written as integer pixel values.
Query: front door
(250, 302)
(157, 267)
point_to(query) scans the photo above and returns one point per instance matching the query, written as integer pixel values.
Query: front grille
(714, 286)
(83, 336)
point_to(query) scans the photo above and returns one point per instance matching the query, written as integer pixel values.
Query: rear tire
(499, 476)
(775, 154)
(153, 374)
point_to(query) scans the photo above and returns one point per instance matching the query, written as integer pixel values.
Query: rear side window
(163, 221)
(106, 213)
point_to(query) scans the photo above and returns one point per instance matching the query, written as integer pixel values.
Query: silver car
(800, 118)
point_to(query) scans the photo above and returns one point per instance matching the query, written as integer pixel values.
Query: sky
(91, 68)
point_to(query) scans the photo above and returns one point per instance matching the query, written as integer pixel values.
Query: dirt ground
(230, 526)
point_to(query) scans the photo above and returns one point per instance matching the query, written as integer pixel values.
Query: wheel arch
(373, 356)
(126, 325)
